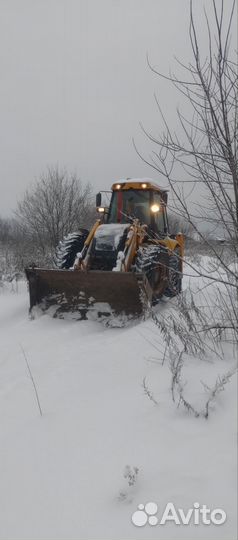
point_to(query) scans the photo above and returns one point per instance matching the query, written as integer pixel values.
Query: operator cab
(142, 200)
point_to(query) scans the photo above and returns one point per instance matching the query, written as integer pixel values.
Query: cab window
(130, 204)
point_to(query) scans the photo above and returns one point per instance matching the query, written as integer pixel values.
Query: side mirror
(98, 200)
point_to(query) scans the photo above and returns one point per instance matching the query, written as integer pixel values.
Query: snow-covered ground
(62, 474)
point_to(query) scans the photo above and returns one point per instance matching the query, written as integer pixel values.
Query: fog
(75, 84)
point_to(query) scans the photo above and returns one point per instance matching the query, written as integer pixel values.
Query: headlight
(101, 209)
(155, 208)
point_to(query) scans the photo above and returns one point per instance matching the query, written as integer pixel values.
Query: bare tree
(205, 153)
(202, 157)
(58, 203)
(7, 230)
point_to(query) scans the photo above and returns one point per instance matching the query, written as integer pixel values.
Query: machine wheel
(175, 277)
(69, 247)
(148, 262)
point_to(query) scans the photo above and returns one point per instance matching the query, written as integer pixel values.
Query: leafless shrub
(176, 364)
(131, 475)
(148, 392)
(179, 327)
(190, 328)
(178, 388)
(217, 388)
(199, 164)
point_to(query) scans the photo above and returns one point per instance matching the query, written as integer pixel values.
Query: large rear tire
(69, 247)
(150, 261)
(175, 276)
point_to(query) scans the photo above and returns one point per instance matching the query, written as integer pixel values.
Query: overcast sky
(75, 85)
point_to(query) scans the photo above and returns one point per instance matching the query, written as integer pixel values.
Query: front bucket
(84, 292)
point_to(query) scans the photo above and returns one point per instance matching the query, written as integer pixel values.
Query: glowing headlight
(118, 186)
(155, 208)
(101, 209)
(144, 186)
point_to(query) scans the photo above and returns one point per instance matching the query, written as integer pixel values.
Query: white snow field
(62, 473)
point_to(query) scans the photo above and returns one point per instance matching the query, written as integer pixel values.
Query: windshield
(130, 204)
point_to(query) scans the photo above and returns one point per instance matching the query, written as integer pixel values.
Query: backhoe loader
(122, 266)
